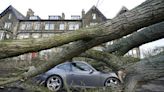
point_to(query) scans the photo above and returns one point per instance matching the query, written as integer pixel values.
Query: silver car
(76, 74)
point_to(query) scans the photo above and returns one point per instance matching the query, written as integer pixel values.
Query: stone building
(14, 25)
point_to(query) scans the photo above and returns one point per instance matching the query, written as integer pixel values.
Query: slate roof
(17, 14)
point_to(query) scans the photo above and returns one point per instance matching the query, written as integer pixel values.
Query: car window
(65, 67)
(80, 67)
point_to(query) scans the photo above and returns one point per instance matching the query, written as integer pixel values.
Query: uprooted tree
(149, 15)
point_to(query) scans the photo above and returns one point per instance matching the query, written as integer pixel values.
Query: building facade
(14, 25)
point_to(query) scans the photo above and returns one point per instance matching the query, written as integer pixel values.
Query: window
(35, 35)
(65, 67)
(80, 67)
(28, 26)
(10, 15)
(34, 18)
(54, 17)
(92, 24)
(37, 26)
(22, 27)
(22, 36)
(61, 27)
(7, 25)
(49, 26)
(93, 16)
(1, 35)
(75, 17)
(46, 26)
(134, 52)
(73, 26)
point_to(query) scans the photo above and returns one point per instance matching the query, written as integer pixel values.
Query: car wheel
(111, 81)
(54, 83)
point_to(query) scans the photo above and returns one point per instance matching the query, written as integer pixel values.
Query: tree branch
(145, 35)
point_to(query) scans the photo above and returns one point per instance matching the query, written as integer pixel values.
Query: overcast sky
(43, 8)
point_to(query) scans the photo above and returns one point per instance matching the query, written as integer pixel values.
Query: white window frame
(94, 16)
(28, 26)
(1, 35)
(54, 17)
(37, 26)
(49, 26)
(33, 17)
(61, 26)
(23, 26)
(10, 15)
(73, 26)
(7, 25)
(75, 17)
(35, 35)
(92, 24)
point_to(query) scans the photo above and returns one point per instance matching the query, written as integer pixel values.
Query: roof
(17, 14)
(97, 10)
(122, 10)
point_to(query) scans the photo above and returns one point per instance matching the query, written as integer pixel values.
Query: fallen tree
(146, 14)
(136, 39)
(84, 39)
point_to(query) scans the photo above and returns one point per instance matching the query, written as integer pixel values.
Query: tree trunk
(112, 61)
(144, 70)
(145, 35)
(147, 13)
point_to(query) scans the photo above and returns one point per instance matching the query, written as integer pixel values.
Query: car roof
(69, 62)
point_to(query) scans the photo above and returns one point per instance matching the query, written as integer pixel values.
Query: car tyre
(111, 81)
(54, 83)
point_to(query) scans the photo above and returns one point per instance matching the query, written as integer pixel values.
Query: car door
(83, 75)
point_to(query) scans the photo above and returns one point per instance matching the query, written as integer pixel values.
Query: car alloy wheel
(54, 83)
(111, 81)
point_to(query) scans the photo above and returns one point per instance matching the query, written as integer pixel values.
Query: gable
(12, 10)
(96, 11)
(93, 17)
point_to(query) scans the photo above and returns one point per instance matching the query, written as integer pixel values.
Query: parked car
(76, 74)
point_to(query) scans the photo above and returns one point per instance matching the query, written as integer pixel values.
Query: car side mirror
(91, 71)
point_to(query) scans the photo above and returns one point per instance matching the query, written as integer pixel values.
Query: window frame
(7, 25)
(94, 16)
(49, 26)
(62, 26)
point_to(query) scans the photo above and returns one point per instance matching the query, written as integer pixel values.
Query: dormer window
(54, 17)
(10, 15)
(75, 17)
(93, 16)
(34, 18)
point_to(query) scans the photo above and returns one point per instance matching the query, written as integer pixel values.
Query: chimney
(83, 13)
(63, 16)
(29, 13)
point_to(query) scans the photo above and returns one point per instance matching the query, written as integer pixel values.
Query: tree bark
(144, 70)
(112, 61)
(147, 13)
(145, 35)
